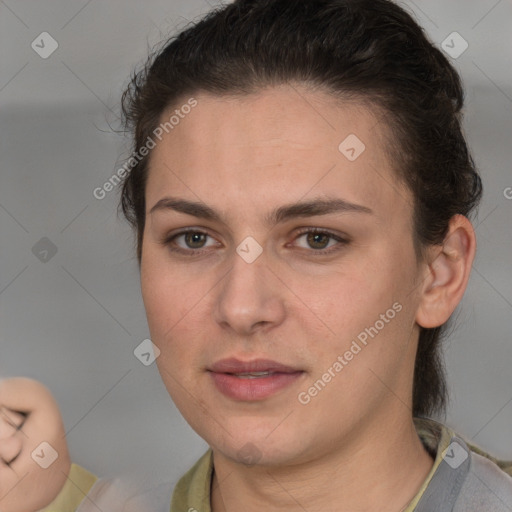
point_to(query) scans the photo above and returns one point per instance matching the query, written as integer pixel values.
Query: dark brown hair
(371, 50)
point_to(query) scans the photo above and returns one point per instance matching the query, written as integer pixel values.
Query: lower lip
(253, 389)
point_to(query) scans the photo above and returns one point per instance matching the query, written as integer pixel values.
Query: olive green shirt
(78, 484)
(475, 483)
(192, 492)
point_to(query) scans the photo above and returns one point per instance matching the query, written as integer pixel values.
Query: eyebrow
(300, 209)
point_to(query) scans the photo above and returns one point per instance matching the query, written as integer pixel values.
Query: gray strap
(444, 488)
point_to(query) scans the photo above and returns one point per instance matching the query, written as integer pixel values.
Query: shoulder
(122, 495)
(486, 488)
(467, 479)
(156, 499)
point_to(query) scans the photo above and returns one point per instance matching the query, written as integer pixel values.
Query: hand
(29, 416)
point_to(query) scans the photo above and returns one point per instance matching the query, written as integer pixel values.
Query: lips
(252, 380)
(255, 367)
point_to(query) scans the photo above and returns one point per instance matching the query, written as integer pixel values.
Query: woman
(303, 238)
(300, 189)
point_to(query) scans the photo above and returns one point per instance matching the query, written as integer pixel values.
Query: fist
(31, 473)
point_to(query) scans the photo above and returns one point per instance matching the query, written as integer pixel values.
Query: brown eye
(190, 242)
(195, 240)
(318, 240)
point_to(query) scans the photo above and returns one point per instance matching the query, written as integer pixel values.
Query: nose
(250, 298)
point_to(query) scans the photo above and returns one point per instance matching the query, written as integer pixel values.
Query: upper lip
(233, 365)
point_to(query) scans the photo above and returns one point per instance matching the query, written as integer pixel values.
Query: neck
(386, 467)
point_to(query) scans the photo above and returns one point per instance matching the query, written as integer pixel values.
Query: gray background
(73, 321)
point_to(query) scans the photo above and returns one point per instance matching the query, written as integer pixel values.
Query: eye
(193, 242)
(321, 241)
(189, 242)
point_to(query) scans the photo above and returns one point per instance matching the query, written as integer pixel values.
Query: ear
(447, 274)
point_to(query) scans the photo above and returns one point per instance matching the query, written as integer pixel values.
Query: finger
(10, 448)
(14, 418)
(21, 394)
(7, 426)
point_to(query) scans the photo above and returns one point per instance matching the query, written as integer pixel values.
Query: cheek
(343, 300)
(176, 305)
(161, 288)
(365, 303)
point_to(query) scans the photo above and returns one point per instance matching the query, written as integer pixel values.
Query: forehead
(282, 142)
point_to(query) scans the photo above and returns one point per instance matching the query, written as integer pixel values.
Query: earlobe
(448, 274)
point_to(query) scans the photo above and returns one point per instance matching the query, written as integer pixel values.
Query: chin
(250, 449)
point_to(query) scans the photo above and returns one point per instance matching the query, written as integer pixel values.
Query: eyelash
(168, 241)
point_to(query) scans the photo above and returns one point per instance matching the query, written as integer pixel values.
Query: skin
(244, 157)
(24, 485)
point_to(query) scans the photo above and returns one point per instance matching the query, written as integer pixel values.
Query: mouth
(256, 367)
(252, 380)
(253, 375)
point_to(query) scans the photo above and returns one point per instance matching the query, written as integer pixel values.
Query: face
(273, 237)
